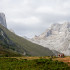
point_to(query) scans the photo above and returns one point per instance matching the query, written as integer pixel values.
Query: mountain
(20, 45)
(3, 20)
(14, 45)
(56, 37)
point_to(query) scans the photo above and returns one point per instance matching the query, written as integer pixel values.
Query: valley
(34, 34)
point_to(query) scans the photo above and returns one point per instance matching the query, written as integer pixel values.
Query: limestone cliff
(57, 37)
(3, 20)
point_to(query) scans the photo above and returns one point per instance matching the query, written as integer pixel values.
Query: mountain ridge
(21, 45)
(57, 37)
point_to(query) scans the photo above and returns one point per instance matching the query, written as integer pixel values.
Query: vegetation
(37, 64)
(11, 41)
(8, 53)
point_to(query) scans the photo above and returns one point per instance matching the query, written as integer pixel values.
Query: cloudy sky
(32, 17)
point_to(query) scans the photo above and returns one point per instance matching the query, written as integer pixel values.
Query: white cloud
(34, 15)
(29, 21)
(53, 10)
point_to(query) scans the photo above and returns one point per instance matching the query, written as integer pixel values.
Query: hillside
(20, 45)
(5, 52)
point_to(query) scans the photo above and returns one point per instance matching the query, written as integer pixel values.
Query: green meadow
(35, 64)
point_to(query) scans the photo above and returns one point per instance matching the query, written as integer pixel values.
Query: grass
(7, 53)
(35, 64)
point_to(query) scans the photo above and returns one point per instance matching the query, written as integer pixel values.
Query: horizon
(32, 17)
(42, 32)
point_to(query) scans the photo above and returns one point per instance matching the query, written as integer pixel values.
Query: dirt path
(65, 59)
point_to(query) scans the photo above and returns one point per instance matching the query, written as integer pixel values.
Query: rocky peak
(3, 20)
(56, 27)
(57, 37)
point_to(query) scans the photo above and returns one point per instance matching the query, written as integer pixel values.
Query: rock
(57, 37)
(3, 20)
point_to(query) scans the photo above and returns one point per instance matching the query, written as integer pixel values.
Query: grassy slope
(30, 48)
(7, 53)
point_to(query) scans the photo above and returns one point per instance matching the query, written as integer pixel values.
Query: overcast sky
(32, 17)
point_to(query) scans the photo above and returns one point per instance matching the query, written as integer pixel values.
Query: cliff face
(3, 20)
(57, 37)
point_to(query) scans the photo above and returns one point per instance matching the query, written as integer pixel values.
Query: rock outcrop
(3, 20)
(57, 37)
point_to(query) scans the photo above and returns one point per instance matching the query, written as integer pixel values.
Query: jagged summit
(57, 37)
(3, 20)
(55, 29)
